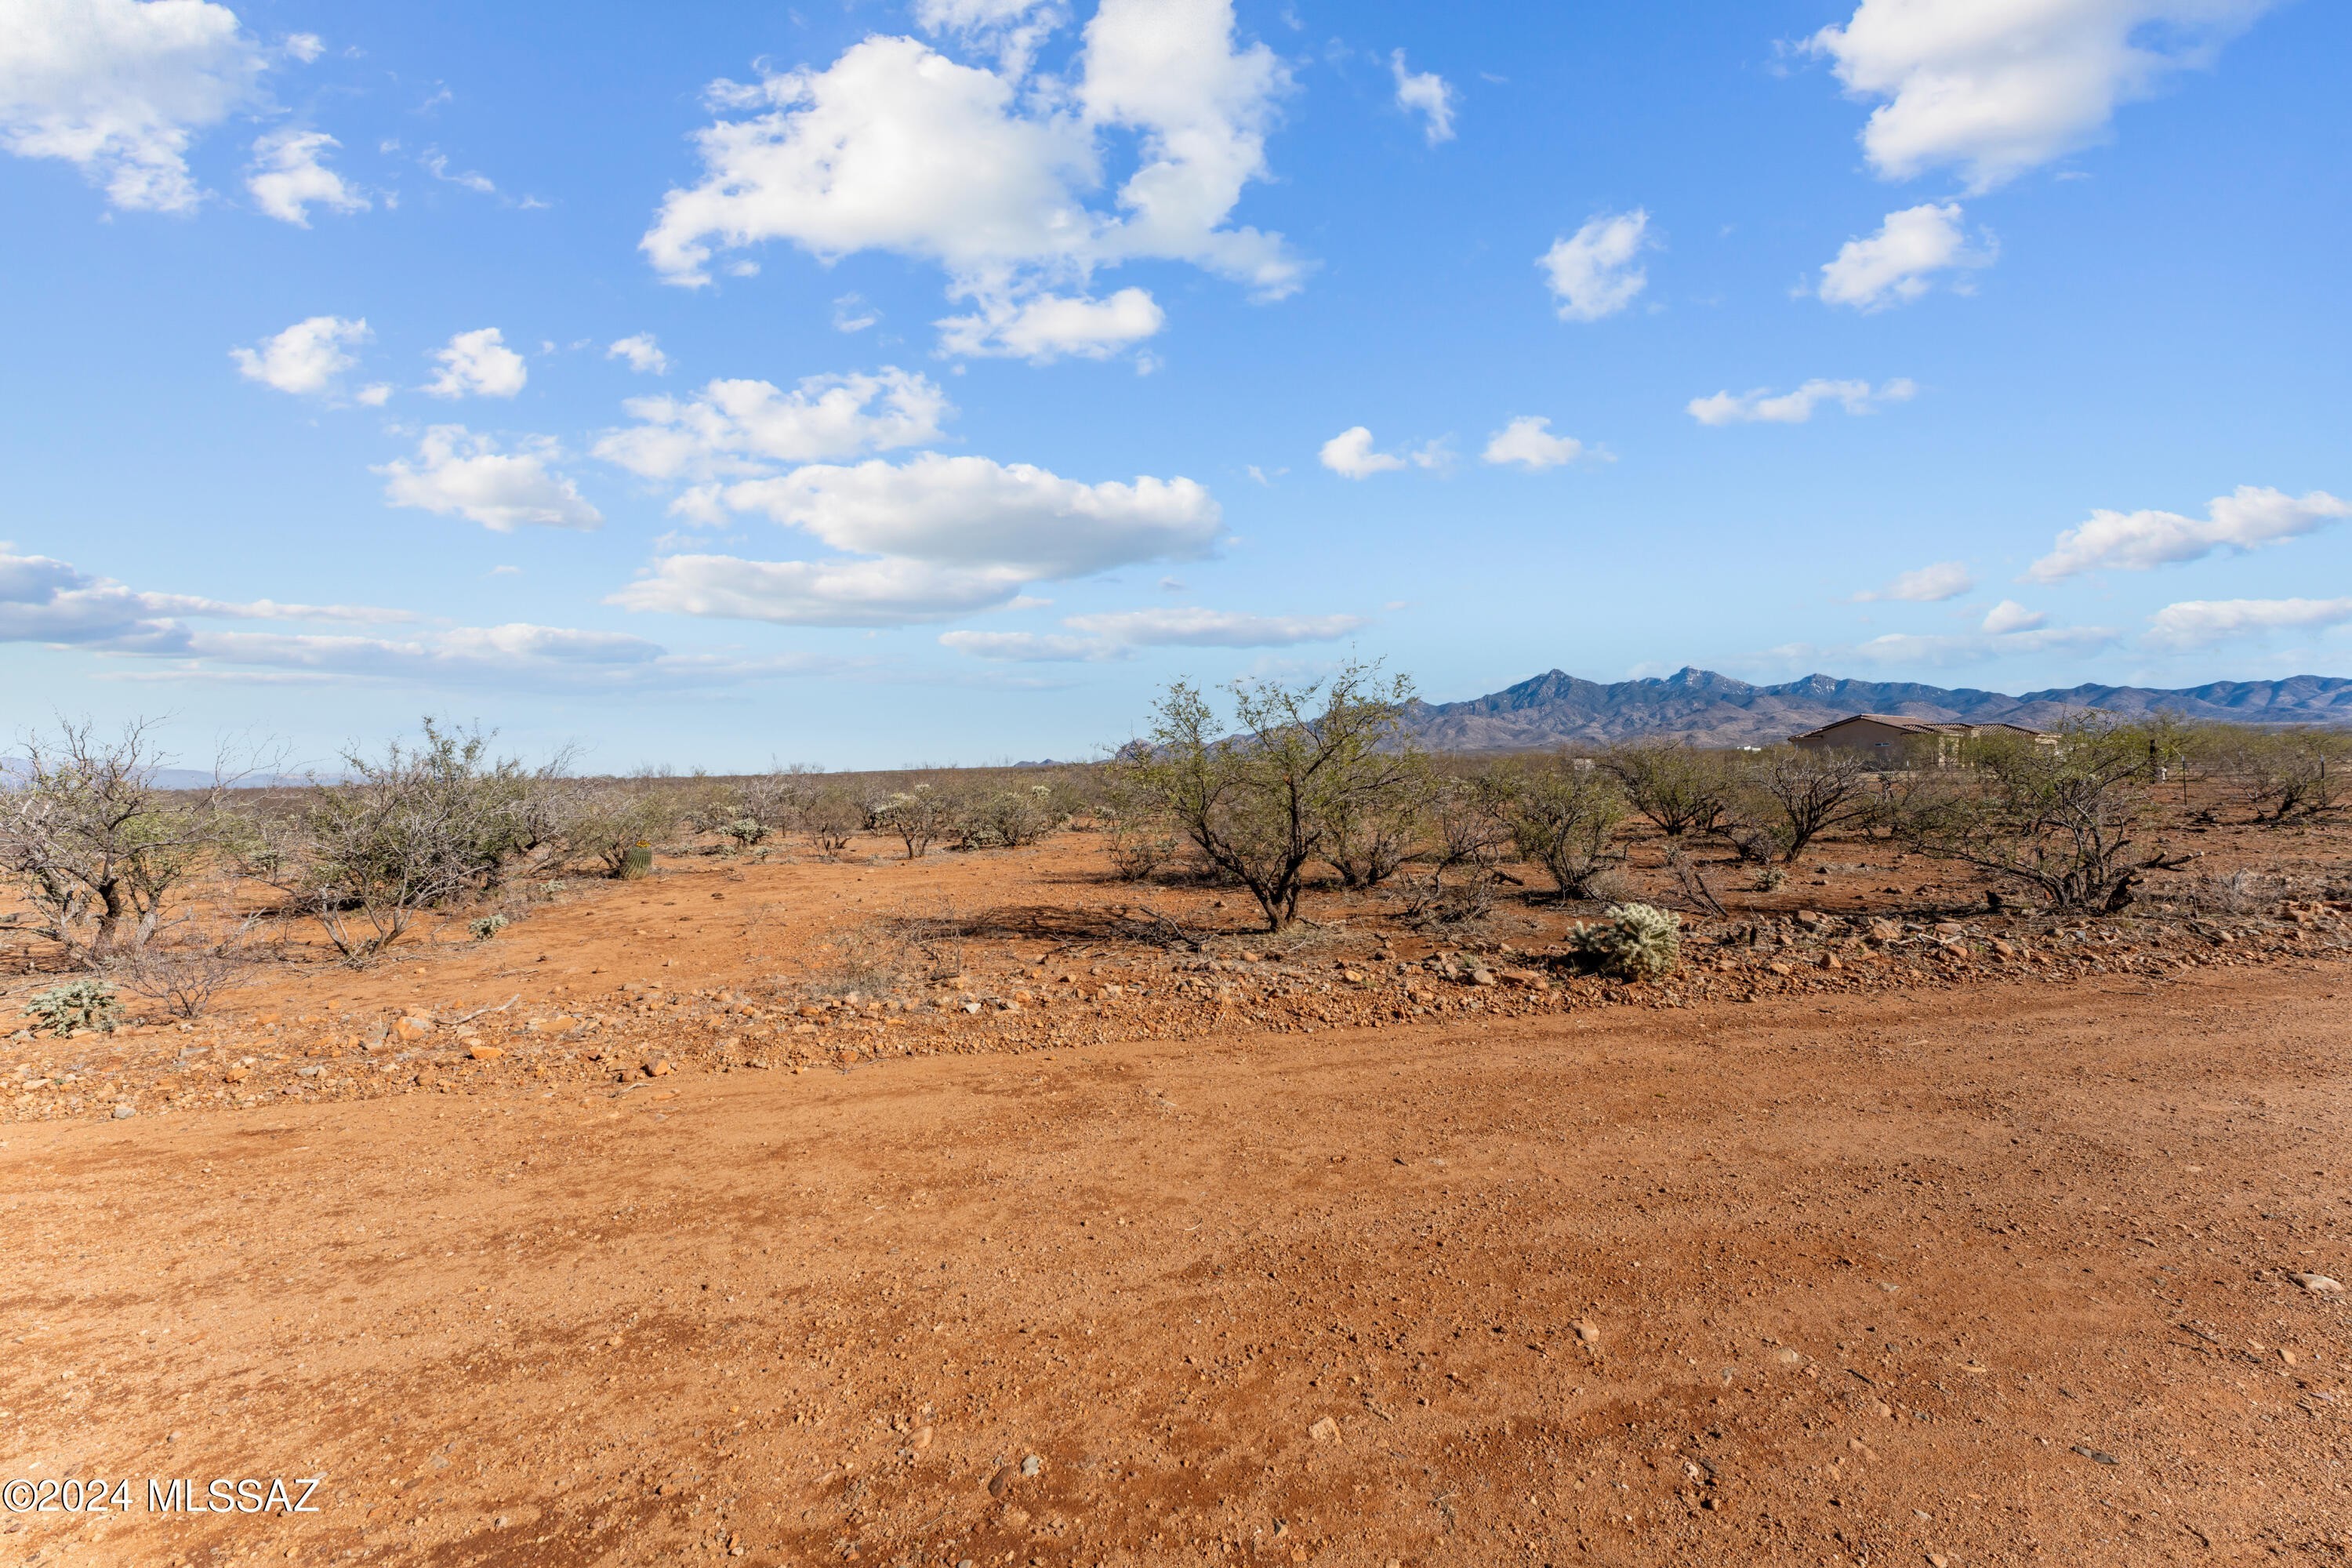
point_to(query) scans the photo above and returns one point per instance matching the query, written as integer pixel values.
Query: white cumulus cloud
(643, 354)
(478, 364)
(1903, 259)
(1596, 272)
(2009, 616)
(986, 172)
(1351, 456)
(1427, 94)
(1042, 328)
(307, 357)
(974, 512)
(286, 177)
(119, 88)
(816, 593)
(2247, 519)
(458, 471)
(1995, 88)
(1529, 442)
(740, 428)
(2204, 623)
(1765, 406)
(930, 538)
(1928, 585)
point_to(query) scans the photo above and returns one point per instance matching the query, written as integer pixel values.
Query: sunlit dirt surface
(1109, 1231)
(1991, 1275)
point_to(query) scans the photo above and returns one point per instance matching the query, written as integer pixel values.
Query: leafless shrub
(1469, 826)
(2066, 820)
(399, 833)
(2241, 892)
(861, 961)
(97, 850)
(1796, 794)
(190, 963)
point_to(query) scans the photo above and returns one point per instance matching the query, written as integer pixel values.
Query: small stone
(236, 1075)
(1588, 1332)
(921, 1439)
(413, 1029)
(658, 1069)
(1787, 1357)
(1829, 960)
(1002, 1481)
(1938, 1560)
(125, 1112)
(1031, 1465)
(486, 1053)
(1886, 931)
(1325, 1430)
(2318, 1284)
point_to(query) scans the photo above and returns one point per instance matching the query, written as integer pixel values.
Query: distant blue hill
(1699, 705)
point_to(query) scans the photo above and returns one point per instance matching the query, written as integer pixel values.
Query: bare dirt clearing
(1998, 1273)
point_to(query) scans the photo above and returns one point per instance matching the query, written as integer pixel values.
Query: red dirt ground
(1945, 1256)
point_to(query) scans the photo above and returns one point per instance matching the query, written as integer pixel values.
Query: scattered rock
(1588, 1332)
(1002, 1481)
(920, 1440)
(412, 1029)
(236, 1075)
(1325, 1430)
(1031, 1465)
(2318, 1284)
(485, 1053)
(2096, 1455)
(125, 1112)
(658, 1069)
(1886, 931)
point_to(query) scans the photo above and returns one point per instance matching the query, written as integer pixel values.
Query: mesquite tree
(2070, 819)
(1257, 797)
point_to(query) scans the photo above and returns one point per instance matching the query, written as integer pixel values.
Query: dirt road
(1999, 1275)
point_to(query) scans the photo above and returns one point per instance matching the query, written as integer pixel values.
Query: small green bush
(487, 927)
(83, 1005)
(1635, 942)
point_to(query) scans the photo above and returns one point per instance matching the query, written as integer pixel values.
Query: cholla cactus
(1639, 941)
(83, 1005)
(487, 927)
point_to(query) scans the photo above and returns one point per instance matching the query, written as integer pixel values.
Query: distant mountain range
(1701, 706)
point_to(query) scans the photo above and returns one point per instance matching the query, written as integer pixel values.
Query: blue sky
(930, 382)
